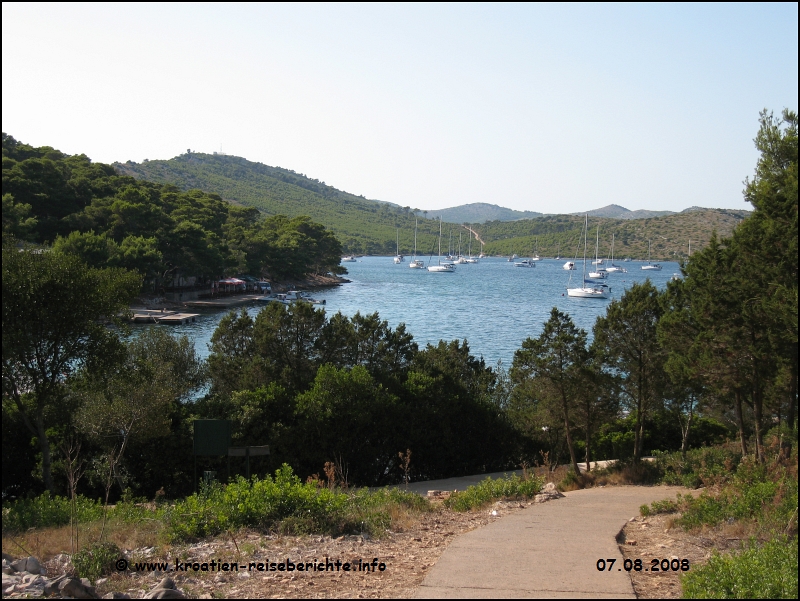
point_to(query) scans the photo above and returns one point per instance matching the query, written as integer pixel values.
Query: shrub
(96, 561)
(704, 466)
(286, 505)
(46, 510)
(489, 490)
(768, 572)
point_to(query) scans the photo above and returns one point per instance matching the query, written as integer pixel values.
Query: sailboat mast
(415, 238)
(585, 242)
(439, 258)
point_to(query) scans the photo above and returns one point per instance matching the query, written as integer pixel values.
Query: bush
(768, 572)
(489, 490)
(45, 511)
(96, 561)
(704, 466)
(286, 505)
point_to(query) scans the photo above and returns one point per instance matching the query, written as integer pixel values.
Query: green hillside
(559, 234)
(369, 227)
(363, 226)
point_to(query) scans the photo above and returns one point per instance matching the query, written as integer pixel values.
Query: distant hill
(558, 234)
(618, 212)
(480, 212)
(369, 226)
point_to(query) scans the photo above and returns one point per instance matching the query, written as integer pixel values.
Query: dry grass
(46, 543)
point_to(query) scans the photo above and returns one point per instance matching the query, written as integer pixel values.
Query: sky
(554, 108)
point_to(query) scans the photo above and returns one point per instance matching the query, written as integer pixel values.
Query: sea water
(493, 305)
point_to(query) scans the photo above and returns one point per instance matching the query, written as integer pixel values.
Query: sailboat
(398, 258)
(600, 272)
(416, 263)
(535, 256)
(441, 267)
(651, 266)
(592, 290)
(470, 258)
(614, 268)
(558, 251)
(461, 258)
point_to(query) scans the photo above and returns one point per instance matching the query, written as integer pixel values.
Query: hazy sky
(551, 108)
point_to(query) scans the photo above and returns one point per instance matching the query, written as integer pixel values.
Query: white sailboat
(398, 258)
(441, 267)
(591, 290)
(599, 273)
(470, 258)
(650, 266)
(416, 263)
(535, 256)
(614, 268)
(462, 260)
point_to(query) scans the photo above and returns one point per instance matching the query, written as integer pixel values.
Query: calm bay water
(492, 304)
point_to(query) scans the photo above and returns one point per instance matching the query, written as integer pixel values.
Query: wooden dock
(165, 317)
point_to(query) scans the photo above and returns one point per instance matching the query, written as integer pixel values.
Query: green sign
(212, 437)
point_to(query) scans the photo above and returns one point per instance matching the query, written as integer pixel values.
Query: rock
(165, 589)
(9, 581)
(20, 565)
(117, 596)
(550, 487)
(33, 566)
(167, 593)
(7, 558)
(72, 587)
(52, 587)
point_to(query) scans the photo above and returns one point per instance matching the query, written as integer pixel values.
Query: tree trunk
(44, 446)
(758, 403)
(569, 435)
(740, 420)
(588, 439)
(685, 432)
(638, 433)
(792, 398)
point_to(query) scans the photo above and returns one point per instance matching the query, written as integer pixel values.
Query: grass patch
(489, 490)
(766, 572)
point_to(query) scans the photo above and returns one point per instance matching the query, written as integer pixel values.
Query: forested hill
(362, 225)
(559, 234)
(372, 227)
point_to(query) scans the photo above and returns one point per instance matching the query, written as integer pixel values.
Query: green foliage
(765, 572)
(54, 307)
(285, 504)
(701, 467)
(477, 496)
(109, 220)
(656, 507)
(47, 511)
(96, 561)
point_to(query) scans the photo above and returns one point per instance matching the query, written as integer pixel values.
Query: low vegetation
(489, 490)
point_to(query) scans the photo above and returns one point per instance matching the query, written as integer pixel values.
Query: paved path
(546, 550)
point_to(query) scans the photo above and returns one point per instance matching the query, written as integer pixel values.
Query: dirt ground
(656, 537)
(407, 556)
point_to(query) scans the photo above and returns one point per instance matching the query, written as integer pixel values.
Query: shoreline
(150, 302)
